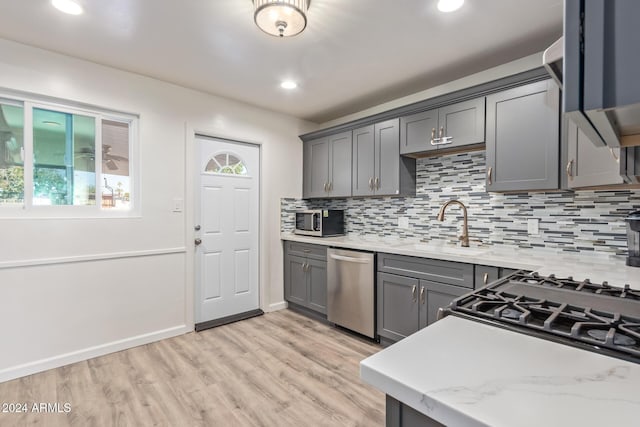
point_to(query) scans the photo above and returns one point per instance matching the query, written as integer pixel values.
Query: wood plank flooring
(280, 369)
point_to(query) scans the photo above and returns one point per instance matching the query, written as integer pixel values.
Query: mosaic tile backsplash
(590, 221)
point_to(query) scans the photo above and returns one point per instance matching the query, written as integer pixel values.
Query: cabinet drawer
(453, 273)
(305, 250)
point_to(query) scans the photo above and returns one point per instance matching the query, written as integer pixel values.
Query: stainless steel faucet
(465, 229)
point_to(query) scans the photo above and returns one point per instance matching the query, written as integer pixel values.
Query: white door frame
(191, 193)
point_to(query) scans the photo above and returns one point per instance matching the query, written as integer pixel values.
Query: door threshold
(229, 319)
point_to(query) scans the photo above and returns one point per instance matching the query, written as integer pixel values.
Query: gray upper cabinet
(446, 128)
(387, 159)
(461, 124)
(416, 130)
(363, 171)
(377, 167)
(589, 165)
(327, 166)
(523, 138)
(315, 174)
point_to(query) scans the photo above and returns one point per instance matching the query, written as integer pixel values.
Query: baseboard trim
(229, 319)
(89, 353)
(277, 306)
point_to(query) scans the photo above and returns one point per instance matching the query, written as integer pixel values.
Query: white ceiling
(354, 53)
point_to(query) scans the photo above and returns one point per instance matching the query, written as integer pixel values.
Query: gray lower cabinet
(305, 277)
(434, 296)
(589, 165)
(445, 128)
(400, 415)
(411, 290)
(327, 166)
(523, 138)
(398, 309)
(377, 168)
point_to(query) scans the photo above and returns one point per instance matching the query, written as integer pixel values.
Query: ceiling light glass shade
(67, 6)
(281, 18)
(449, 5)
(288, 84)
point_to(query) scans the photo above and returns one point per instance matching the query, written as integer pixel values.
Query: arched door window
(226, 163)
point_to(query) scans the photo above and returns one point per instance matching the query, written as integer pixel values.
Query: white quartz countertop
(464, 373)
(596, 267)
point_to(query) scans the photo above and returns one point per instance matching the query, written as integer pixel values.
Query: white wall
(107, 284)
(504, 70)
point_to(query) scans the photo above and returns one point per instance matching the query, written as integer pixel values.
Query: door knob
(197, 241)
(197, 227)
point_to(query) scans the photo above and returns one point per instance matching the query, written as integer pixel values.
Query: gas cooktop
(592, 316)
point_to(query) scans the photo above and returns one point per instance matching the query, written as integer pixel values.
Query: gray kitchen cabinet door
(340, 152)
(363, 170)
(315, 168)
(295, 280)
(433, 296)
(589, 165)
(485, 275)
(387, 163)
(398, 310)
(461, 124)
(523, 138)
(416, 131)
(317, 285)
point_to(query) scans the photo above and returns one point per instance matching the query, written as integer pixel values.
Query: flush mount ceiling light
(449, 5)
(67, 6)
(288, 84)
(281, 18)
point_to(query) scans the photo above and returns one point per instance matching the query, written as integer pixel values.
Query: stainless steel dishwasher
(350, 290)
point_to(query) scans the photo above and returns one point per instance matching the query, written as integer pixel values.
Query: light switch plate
(533, 226)
(178, 204)
(403, 222)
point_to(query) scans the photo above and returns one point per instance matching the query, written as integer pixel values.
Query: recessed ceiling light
(449, 5)
(288, 84)
(67, 6)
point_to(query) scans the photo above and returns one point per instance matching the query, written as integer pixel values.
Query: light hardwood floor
(280, 369)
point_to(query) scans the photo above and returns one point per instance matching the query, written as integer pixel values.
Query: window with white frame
(62, 159)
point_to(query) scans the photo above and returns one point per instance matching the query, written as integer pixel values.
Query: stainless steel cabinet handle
(414, 294)
(305, 266)
(489, 171)
(485, 278)
(197, 241)
(306, 251)
(331, 186)
(348, 259)
(370, 183)
(422, 299)
(433, 136)
(377, 183)
(441, 134)
(570, 169)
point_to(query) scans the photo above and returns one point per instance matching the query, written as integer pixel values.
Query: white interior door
(228, 215)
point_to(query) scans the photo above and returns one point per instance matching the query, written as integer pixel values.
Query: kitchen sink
(444, 248)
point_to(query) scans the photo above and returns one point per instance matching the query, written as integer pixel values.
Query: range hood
(600, 69)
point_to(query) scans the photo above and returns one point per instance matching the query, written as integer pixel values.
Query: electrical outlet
(533, 226)
(403, 222)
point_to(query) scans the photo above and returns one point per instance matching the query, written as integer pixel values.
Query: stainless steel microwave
(320, 222)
